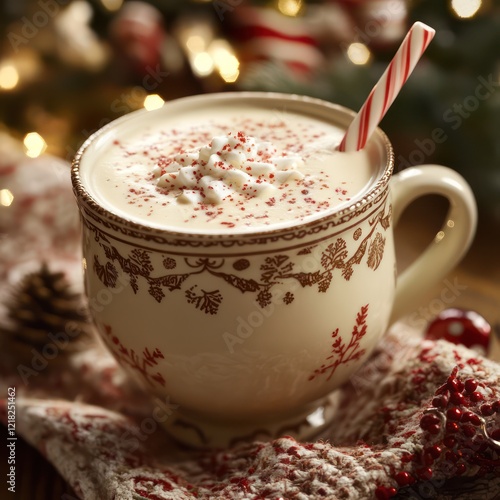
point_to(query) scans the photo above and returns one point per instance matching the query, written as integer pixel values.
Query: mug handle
(450, 243)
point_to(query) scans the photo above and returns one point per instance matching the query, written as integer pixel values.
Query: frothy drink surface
(224, 169)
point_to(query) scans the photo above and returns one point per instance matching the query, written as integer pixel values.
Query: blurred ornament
(266, 34)
(460, 326)
(332, 24)
(379, 23)
(138, 34)
(77, 43)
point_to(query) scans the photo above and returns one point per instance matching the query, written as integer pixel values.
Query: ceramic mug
(248, 334)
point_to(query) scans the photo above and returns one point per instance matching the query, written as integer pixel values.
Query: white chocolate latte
(237, 167)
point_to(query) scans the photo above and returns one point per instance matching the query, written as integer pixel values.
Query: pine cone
(45, 315)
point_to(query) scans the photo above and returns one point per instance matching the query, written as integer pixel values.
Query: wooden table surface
(479, 272)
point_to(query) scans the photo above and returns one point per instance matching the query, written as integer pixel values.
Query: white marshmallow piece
(217, 144)
(237, 178)
(288, 175)
(190, 196)
(167, 180)
(186, 177)
(259, 168)
(215, 191)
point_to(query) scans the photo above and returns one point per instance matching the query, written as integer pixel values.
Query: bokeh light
(465, 9)
(290, 7)
(358, 53)
(35, 144)
(9, 77)
(153, 101)
(112, 5)
(6, 197)
(203, 64)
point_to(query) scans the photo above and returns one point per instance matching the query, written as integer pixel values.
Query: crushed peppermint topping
(236, 163)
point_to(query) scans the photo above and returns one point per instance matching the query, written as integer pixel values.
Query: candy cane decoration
(387, 88)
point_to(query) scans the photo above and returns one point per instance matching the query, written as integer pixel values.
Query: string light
(35, 144)
(203, 64)
(196, 44)
(290, 7)
(229, 68)
(9, 77)
(225, 60)
(6, 197)
(153, 101)
(465, 9)
(112, 5)
(358, 53)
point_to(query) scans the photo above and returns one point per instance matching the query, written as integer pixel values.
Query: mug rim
(333, 217)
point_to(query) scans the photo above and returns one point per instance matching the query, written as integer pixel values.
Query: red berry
(430, 421)
(476, 396)
(425, 473)
(454, 414)
(480, 444)
(452, 427)
(486, 409)
(455, 385)
(385, 492)
(468, 431)
(449, 441)
(452, 457)
(440, 401)
(434, 451)
(471, 418)
(457, 398)
(404, 478)
(460, 469)
(434, 429)
(461, 327)
(427, 459)
(470, 385)
(496, 406)
(495, 435)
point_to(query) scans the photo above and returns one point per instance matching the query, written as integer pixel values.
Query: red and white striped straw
(387, 88)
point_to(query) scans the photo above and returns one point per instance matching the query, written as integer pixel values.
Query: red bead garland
(457, 433)
(463, 430)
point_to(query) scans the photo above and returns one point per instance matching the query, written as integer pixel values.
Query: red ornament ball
(460, 326)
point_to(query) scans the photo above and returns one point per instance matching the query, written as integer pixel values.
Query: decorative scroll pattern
(273, 271)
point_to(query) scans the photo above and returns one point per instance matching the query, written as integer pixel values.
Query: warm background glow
(465, 8)
(9, 77)
(358, 53)
(153, 101)
(35, 144)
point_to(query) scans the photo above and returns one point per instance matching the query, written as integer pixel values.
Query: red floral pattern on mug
(340, 352)
(131, 358)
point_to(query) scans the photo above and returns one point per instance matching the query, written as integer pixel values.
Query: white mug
(250, 333)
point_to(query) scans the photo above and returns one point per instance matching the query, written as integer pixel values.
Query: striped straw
(387, 88)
